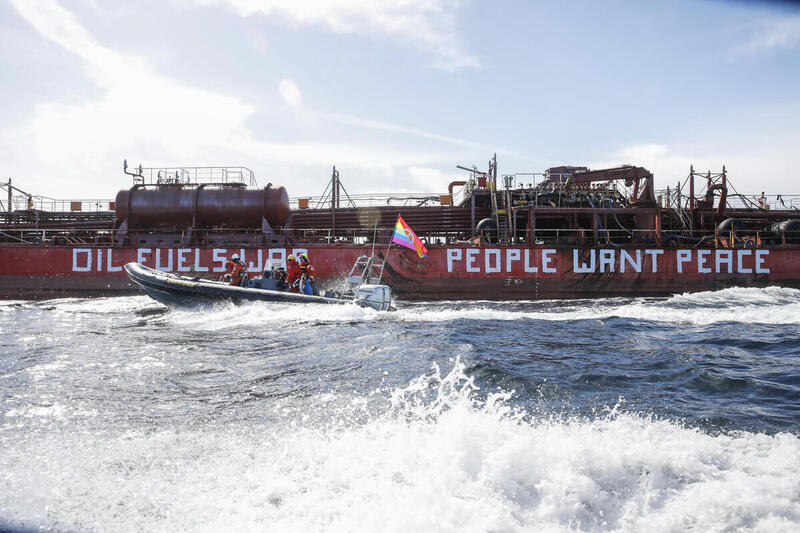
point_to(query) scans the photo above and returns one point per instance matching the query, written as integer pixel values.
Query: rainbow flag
(405, 236)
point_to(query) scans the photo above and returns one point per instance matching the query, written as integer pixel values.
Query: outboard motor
(378, 297)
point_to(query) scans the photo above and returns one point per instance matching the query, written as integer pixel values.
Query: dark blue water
(605, 415)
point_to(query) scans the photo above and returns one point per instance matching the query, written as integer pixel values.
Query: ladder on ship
(502, 215)
(682, 217)
(500, 221)
(680, 213)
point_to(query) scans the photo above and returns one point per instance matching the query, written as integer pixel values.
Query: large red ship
(569, 232)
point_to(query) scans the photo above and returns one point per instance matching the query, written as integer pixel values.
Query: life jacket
(307, 273)
(292, 272)
(307, 269)
(236, 270)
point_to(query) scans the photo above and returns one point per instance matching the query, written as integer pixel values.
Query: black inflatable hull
(174, 290)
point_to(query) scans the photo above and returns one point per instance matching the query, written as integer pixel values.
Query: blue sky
(395, 93)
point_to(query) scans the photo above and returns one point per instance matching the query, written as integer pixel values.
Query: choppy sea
(644, 414)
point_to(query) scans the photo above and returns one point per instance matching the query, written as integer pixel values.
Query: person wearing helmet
(292, 273)
(307, 273)
(234, 269)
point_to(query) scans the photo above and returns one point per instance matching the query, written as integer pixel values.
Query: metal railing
(675, 199)
(44, 203)
(402, 199)
(192, 175)
(764, 202)
(555, 237)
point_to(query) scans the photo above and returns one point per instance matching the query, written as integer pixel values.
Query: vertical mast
(334, 198)
(691, 200)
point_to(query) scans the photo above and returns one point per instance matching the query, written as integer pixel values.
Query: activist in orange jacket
(307, 271)
(293, 272)
(235, 268)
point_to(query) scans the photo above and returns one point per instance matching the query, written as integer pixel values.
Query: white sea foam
(52, 410)
(436, 459)
(116, 304)
(772, 305)
(225, 315)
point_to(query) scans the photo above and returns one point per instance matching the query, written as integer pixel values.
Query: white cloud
(138, 106)
(644, 152)
(146, 115)
(290, 92)
(772, 34)
(431, 179)
(750, 171)
(429, 25)
(350, 120)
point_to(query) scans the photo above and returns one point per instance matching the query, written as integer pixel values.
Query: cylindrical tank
(730, 224)
(234, 207)
(792, 224)
(790, 229)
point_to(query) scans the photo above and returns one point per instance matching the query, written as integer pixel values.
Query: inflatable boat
(175, 290)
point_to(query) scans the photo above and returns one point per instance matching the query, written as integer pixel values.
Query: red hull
(454, 272)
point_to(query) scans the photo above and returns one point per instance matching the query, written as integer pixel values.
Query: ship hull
(448, 272)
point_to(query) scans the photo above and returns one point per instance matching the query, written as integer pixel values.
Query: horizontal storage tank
(202, 206)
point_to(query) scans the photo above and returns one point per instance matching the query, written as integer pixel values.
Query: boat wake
(772, 305)
(764, 306)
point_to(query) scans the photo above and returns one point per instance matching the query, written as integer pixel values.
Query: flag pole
(385, 258)
(386, 255)
(374, 235)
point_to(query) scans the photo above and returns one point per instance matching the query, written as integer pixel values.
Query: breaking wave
(437, 456)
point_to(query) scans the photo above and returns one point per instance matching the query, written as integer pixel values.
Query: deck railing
(192, 175)
(54, 205)
(434, 237)
(674, 198)
(398, 199)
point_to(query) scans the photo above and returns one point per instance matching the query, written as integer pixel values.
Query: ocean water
(645, 414)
